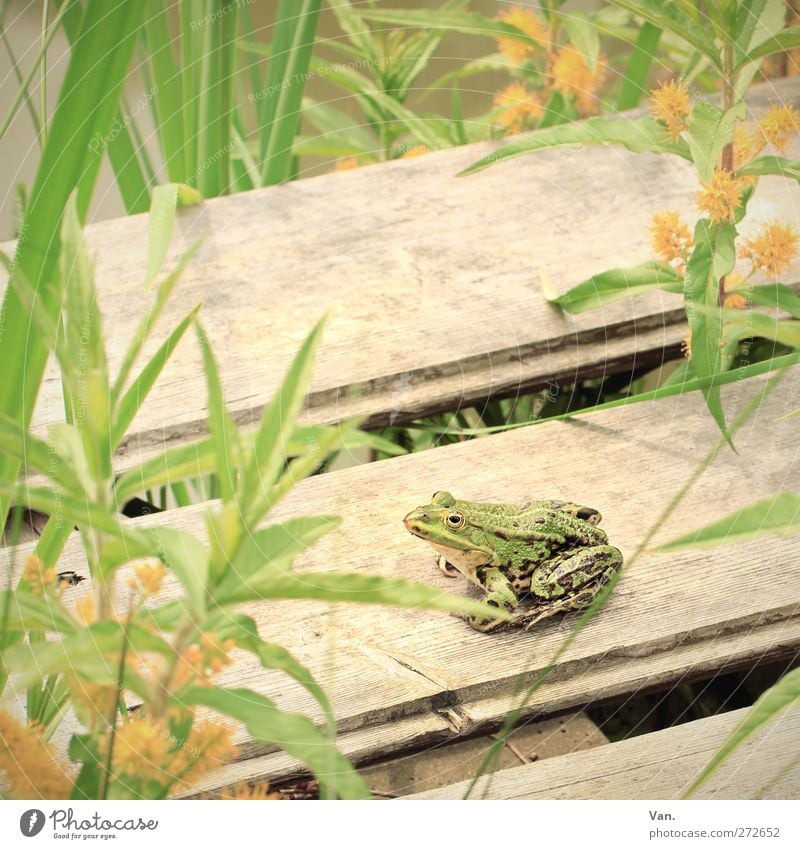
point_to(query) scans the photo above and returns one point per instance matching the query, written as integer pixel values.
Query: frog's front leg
(500, 594)
(447, 569)
(571, 581)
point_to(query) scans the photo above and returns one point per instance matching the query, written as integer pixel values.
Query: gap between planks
(432, 281)
(659, 765)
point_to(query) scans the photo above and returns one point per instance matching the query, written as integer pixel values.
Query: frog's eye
(454, 520)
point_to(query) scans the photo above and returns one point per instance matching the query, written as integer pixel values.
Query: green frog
(552, 550)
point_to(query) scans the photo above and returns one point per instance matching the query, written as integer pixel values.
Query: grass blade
(635, 83)
(86, 106)
(295, 28)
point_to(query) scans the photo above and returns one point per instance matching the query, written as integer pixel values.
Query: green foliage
(779, 514)
(735, 40)
(238, 561)
(784, 695)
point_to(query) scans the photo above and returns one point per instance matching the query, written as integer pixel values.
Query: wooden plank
(605, 681)
(432, 282)
(660, 765)
(672, 614)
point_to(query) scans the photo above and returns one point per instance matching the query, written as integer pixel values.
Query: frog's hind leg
(588, 514)
(571, 582)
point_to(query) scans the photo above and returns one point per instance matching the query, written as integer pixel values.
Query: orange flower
(346, 164)
(773, 250)
(735, 301)
(778, 123)
(28, 766)
(670, 104)
(721, 197)
(518, 107)
(531, 24)
(571, 74)
(670, 236)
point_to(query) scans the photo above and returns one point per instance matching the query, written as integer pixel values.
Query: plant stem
(728, 98)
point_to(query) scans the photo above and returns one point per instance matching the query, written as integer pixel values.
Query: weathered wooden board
(673, 616)
(432, 282)
(660, 765)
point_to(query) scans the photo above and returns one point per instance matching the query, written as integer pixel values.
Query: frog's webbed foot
(447, 569)
(499, 594)
(562, 605)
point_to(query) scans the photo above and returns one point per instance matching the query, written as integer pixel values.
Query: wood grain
(660, 765)
(432, 282)
(673, 616)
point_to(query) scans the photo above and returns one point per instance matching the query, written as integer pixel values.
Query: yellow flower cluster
(531, 24)
(148, 577)
(35, 574)
(517, 106)
(671, 104)
(145, 750)
(721, 196)
(95, 705)
(772, 250)
(28, 766)
(778, 124)
(570, 74)
(670, 236)
(747, 144)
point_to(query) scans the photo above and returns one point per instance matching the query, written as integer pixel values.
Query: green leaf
(771, 165)
(224, 434)
(616, 284)
(36, 454)
(710, 129)
(670, 16)
(91, 652)
(167, 93)
(267, 553)
(583, 35)
(277, 424)
(132, 400)
(145, 326)
(469, 23)
(244, 631)
(24, 611)
(363, 589)
(83, 361)
(713, 257)
(293, 732)
(634, 83)
(783, 695)
(786, 40)
(779, 514)
(162, 217)
(776, 295)
(187, 557)
(752, 323)
(86, 106)
(640, 136)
